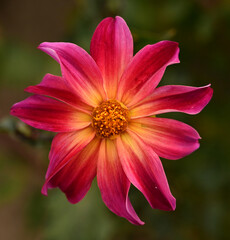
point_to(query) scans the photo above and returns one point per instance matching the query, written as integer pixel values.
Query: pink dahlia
(104, 109)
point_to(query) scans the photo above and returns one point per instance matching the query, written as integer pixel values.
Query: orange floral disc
(110, 119)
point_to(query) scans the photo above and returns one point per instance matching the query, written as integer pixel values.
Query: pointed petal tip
(138, 222)
(177, 60)
(28, 89)
(208, 89)
(119, 18)
(45, 47)
(14, 110)
(44, 190)
(171, 206)
(39, 46)
(42, 45)
(208, 93)
(177, 50)
(207, 86)
(166, 206)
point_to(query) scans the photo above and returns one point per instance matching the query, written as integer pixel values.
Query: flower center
(110, 119)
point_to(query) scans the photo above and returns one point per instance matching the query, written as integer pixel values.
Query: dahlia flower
(105, 109)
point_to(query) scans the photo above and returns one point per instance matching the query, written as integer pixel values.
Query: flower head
(104, 109)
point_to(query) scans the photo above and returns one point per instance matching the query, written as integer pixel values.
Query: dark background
(200, 182)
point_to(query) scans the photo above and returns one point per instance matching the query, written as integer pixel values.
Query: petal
(168, 138)
(174, 98)
(79, 70)
(113, 183)
(144, 170)
(49, 114)
(146, 70)
(65, 146)
(112, 49)
(74, 174)
(56, 87)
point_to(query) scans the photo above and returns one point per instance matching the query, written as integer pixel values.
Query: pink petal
(113, 183)
(49, 114)
(112, 49)
(56, 87)
(168, 138)
(173, 98)
(75, 170)
(79, 70)
(67, 145)
(144, 170)
(146, 70)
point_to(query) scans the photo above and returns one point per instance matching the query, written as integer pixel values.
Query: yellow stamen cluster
(110, 119)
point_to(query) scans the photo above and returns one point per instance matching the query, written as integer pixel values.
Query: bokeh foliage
(200, 182)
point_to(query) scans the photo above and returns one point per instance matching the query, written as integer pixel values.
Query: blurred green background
(200, 182)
